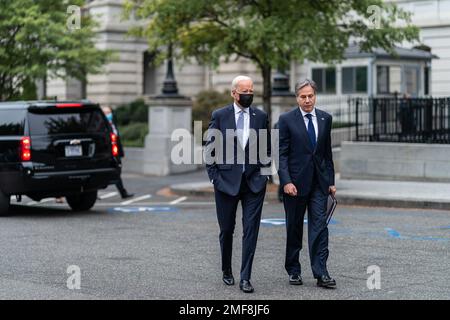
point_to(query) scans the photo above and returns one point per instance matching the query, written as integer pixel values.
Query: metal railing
(343, 111)
(415, 120)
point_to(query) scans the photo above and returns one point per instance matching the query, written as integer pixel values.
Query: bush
(133, 135)
(206, 102)
(133, 112)
(132, 118)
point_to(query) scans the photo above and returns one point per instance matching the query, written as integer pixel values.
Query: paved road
(163, 246)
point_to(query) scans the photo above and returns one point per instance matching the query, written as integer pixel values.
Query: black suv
(55, 149)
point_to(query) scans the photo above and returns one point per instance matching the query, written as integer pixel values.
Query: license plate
(74, 151)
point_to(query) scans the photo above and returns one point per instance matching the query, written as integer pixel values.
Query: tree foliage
(135, 111)
(35, 42)
(204, 104)
(270, 33)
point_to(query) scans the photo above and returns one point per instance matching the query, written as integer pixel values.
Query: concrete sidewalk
(402, 194)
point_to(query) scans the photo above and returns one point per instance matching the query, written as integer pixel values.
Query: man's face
(243, 86)
(306, 98)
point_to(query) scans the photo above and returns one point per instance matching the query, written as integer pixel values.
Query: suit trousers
(226, 206)
(295, 208)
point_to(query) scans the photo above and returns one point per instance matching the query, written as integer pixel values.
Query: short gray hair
(236, 80)
(305, 83)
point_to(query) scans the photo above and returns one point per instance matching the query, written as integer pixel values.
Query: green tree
(35, 42)
(270, 33)
(204, 104)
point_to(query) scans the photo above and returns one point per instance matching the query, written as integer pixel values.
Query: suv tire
(4, 204)
(82, 201)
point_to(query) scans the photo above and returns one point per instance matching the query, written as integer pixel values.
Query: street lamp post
(169, 113)
(170, 87)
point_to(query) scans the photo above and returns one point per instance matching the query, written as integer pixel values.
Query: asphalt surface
(166, 247)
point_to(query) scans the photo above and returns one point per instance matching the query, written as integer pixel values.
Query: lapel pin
(323, 118)
(254, 114)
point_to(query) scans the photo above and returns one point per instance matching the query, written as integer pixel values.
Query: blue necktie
(240, 132)
(311, 131)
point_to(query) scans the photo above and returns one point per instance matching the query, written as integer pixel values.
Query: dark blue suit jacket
(297, 157)
(227, 174)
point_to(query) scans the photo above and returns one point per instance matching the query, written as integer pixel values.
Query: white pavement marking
(190, 203)
(39, 202)
(181, 199)
(108, 195)
(113, 204)
(144, 204)
(14, 198)
(147, 196)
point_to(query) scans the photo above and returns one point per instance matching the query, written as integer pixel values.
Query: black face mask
(245, 100)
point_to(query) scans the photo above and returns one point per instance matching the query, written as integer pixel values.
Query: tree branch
(245, 55)
(215, 18)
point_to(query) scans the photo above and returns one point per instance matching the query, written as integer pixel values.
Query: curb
(207, 190)
(392, 203)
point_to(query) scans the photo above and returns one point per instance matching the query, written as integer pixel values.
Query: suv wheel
(4, 204)
(82, 201)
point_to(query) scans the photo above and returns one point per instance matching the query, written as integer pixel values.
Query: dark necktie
(311, 131)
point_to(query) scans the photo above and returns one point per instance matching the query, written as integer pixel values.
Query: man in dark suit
(239, 177)
(109, 116)
(306, 173)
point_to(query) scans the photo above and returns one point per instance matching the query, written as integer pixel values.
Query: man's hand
(332, 190)
(290, 189)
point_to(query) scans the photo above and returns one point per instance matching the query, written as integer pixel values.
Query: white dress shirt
(237, 111)
(246, 132)
(314, 120)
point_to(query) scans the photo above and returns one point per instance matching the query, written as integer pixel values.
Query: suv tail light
(114, 146)
(25, 149)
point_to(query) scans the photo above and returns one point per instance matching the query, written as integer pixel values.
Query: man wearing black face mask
(236, 180)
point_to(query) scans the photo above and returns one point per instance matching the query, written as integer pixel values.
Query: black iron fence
(343, 111)
(416, 120)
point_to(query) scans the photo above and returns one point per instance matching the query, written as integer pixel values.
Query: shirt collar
(313, 112)
(237, 109)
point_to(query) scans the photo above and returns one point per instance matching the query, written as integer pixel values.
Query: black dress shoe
(228, 278)
(127, 195)
(326, 282)
(246, 286)
(295, 279)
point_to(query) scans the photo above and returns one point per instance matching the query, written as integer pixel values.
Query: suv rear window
(12, 122)
(67, 121)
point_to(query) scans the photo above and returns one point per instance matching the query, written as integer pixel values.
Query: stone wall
(395, 161)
